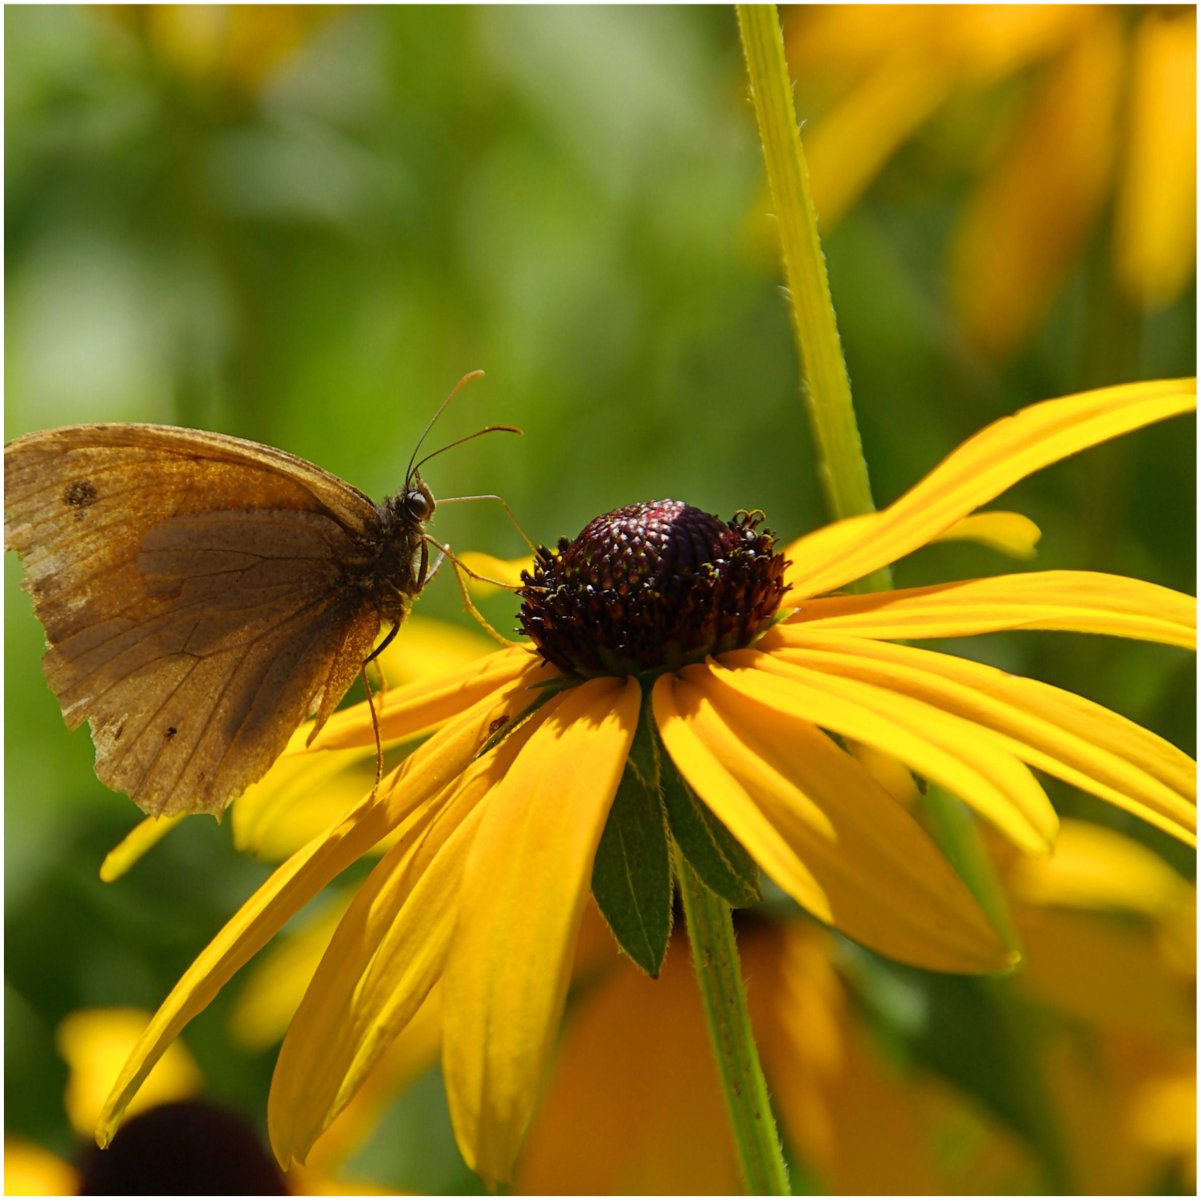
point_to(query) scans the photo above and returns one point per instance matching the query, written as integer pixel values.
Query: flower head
(661, 704)
(651, 587)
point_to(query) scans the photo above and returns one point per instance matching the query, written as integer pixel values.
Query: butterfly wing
(195, 596)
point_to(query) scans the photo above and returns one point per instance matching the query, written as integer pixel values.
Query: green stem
(715, 957)
(842, 470)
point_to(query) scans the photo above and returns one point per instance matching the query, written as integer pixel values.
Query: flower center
(652, 586)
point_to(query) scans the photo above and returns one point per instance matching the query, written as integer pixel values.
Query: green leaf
(631, 875)
(717, 857)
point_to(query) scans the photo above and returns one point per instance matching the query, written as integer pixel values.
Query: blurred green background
(303, 226)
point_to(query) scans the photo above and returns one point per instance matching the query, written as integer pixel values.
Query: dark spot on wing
(80, 495)
(171, 732)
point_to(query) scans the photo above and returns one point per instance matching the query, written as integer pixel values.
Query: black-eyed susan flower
(686, 659)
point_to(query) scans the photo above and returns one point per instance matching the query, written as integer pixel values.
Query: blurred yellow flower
(1108, 931)
(1107, 928)
(1093, 105)
(32, 1171)
(498, 818)
(95, 1043)
(634, 1070)
(238, 46)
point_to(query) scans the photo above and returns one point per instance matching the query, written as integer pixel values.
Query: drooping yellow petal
(295, 883)
(145, 835)
(1088, 602)
(820, 826)
(523, 892)
(285, 893)
(976, 472)
(301, 796)
(1012, 534)
(95, 1042)
(413, 1051)
(274, 984)
(967, 760)
(384, 957)
(1056, 731)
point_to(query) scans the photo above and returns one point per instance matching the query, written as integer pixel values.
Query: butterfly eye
(418, 504)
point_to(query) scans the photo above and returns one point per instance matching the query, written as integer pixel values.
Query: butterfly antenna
(488, 429)
(430, 425)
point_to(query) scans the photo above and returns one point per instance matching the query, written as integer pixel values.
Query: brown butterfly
(202, 595)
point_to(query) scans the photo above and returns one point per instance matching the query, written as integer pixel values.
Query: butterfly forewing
(201, 596)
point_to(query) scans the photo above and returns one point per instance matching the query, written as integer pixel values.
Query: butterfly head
(415, 501)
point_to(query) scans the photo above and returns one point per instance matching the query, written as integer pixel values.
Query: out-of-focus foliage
(304, 224)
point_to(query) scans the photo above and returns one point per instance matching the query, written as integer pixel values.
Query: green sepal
(631, 874)
(716, 856)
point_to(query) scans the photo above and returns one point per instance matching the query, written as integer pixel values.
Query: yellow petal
(1056, 731)
(294, 884)
(384, 957)
(1028, 220)
(1155, 218)
(494, 571)
(95, 1042)
(275, 983)
(1012, 534)
(305, 793)
(426, 703)
(968, 761)
(523, 893)
(145, 835)
(428, 647)
(820, 826)
(412, 1052)
(976, 43)
(978, 471)
(300, 797)
(1094, 868)
(1085, 601)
